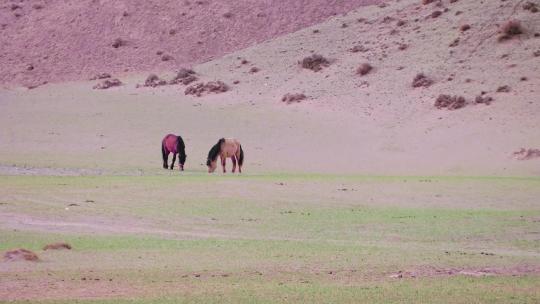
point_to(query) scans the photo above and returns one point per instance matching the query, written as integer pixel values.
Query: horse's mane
(214, 152)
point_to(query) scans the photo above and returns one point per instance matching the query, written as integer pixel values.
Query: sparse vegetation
(510, 29)
(364, 69)
(450, 102)
(154, 81)
(20, 255)
(57, 246)
(118, 42)
(531, 6)
(503, 89)
(464, 27)
(482, 99)
(199, 89)
(358, 48)
(421, 80)
(108, 83)
(184, 76)
(101, 76)
(293, 98)
(314, 62)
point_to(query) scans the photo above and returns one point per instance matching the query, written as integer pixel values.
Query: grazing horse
(226, 147)
(173, 144)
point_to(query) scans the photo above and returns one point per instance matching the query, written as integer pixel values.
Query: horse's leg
(237, 156)
(165, 155)
(174, 159)
(223, 162)
(233, 163)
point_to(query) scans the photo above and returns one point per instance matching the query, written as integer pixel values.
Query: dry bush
(20, 255)
(401, 23)
(293, 98)
(403, 46)
(450, 102)
(424, 2)
(200, 89)
(118, 42)
(108, 83)
(536, 53)
(510, 29)
(421, 80)
(503, 89)
(166, 57)
(154, 81)
(531, 6)
(56, 246)
(314, 62)
(101, 76)
(358, 48)
(364, 69)
(454, 43)
(464, 27)
(527, 154)
(184, 76)
(254, 70)
(436, 14)
(480, 99)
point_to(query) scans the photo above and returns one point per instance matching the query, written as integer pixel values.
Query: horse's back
(231, 147)
(169, 142)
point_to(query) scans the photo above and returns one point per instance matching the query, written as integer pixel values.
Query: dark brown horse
(175, 145)
(226, 147)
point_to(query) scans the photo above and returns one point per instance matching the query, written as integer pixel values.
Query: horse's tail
(241, 158)
(181, 149)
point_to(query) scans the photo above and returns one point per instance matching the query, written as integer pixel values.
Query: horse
(226, 147)
(173, 144)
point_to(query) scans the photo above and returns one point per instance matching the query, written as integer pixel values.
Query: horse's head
(182, 161)
(181, 148)
(212, 165)
(211, 161)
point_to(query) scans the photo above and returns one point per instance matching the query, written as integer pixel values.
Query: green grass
(278, 238)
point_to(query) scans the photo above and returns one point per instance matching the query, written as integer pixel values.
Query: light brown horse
(226, 147)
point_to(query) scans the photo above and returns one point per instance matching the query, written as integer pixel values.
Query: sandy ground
(375, 124)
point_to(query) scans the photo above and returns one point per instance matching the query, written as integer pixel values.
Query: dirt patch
(57, 246)
(450, 102)
(421, 80)
(293, 98)
(200, 89)
(527, 154)
(20, 255)
(429, 271)
(314, 62)
(108, 83)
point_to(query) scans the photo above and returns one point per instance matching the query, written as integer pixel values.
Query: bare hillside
(55, 40)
